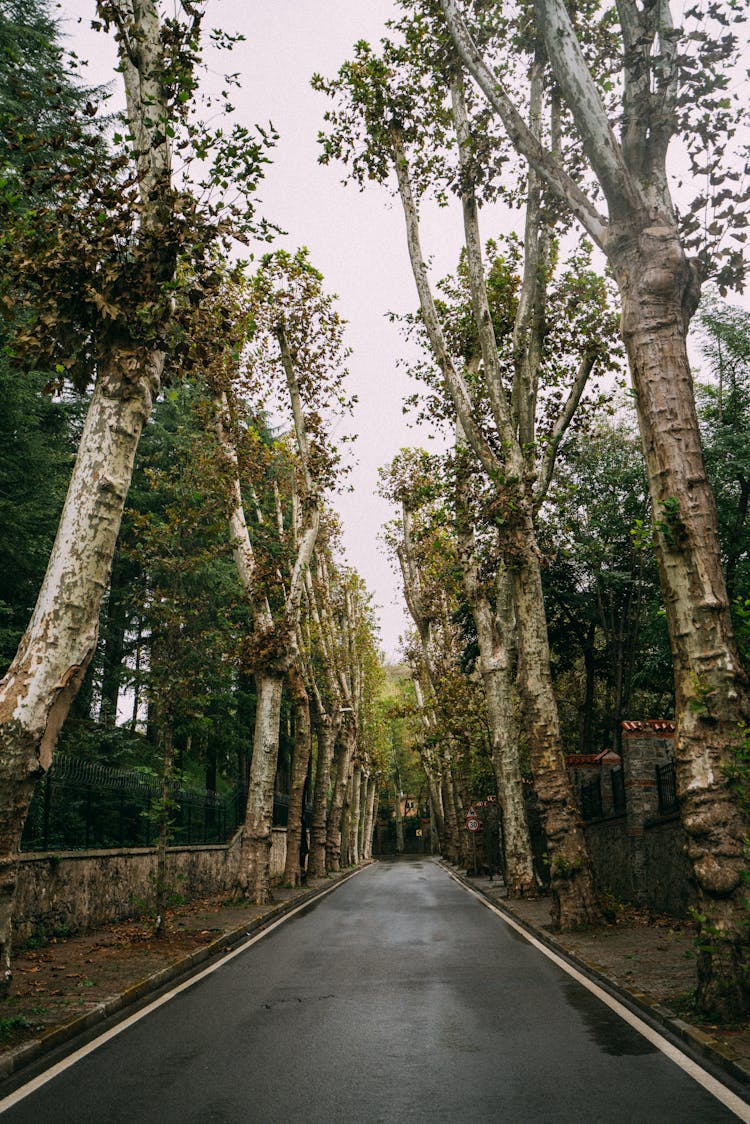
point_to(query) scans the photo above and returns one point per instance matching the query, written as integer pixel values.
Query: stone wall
(670, 887)
(69, 892)
(640, 856)
(610, 856)
(665, 877)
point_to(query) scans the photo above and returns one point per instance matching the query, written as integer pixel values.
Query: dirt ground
(651, 958)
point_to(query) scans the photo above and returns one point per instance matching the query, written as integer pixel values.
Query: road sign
(472, 823)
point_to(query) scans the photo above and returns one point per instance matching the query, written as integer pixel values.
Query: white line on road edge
(709, 1083)
(49, 1074)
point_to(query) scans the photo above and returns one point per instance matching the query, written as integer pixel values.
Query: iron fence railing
(617, 780)
(666, 784)
(81, 805)
(591, 800)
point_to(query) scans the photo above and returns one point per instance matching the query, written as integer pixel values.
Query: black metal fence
(591, 800)
(617, 780)
(666, 784)
(82, 805)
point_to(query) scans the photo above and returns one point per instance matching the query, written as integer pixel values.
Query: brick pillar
(644, 745)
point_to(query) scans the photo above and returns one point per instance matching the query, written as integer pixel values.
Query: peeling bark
(293, 872)
(355, 815)
(452, 826)
(495, 631)
(326, 736)
(40, 684)
(344, 753)
(369, 818)
(255, 873)
(711, 697)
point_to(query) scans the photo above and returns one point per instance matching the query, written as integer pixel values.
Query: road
(397, 997)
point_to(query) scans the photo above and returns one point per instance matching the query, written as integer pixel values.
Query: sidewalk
(648, 961)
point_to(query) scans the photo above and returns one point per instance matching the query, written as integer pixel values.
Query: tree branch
(580, 93)
(519, 133)
(453, 381)
(564, 418)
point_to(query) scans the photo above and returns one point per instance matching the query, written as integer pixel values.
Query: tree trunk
(255, 869)
(346, 823)
(571, 880)
(436, 805)
(355, 816)
(465, 846)
(452, 827)
(300, 764)
(343, 759)
(114, 643)
(53, 655)
(369, 826)
(364, 790)
(325, 735)
(495, 628)
(710, 685)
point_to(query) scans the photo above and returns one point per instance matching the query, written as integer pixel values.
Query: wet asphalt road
(398, 997)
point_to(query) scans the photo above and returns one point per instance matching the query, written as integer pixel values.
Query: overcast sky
(355, 238)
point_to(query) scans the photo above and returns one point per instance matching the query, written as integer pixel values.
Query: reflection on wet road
(397, 997)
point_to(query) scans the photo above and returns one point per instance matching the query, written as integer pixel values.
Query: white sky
(355, 238)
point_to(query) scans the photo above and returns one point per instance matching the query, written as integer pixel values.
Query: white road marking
(49, 1074)
(734, 1103)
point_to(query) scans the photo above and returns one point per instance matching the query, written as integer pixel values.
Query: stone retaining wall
(665, 876)
(641, 856)
(670, 884)
(71, 891)
(610, 856)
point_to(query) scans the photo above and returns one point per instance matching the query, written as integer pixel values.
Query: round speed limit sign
(472, 823)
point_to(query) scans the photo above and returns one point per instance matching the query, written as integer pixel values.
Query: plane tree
(292, 368)
(92, 239)
(391, 119)
(634, 84)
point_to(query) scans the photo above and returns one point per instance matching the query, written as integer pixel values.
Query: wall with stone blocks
(640, 856)
(610, 856)
(77, 890)
(670, 887)
(665, 879)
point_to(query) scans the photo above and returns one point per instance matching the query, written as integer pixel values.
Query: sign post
(473, 825)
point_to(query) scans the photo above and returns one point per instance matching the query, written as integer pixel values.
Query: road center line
(30, 1087)
(734, 1103)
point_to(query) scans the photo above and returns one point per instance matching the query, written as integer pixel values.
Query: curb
(17, 1060)
(699, 1042)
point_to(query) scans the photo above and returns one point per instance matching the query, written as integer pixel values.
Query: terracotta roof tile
(650, 726)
